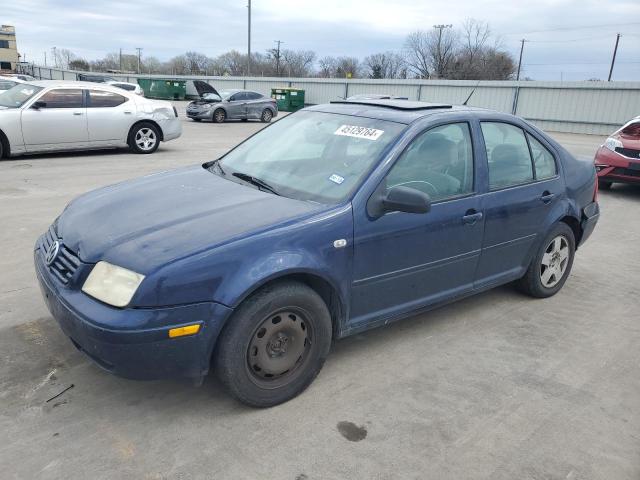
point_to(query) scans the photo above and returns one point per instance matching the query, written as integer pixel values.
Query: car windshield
(227, 93)
(314, 156)
(16, 96)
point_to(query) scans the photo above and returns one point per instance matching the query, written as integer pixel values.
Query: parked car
(129, 87)
(334, 220)
(19, 76)
(87, 77)
(51, 115)
(618, 159)
(8, 82)
(232, 104)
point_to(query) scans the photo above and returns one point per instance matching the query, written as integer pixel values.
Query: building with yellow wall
(8, 49)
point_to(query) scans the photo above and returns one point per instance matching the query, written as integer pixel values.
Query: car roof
(74, 84)
(400, 111)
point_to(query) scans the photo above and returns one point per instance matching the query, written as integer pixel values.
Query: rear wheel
(604, 184)
(552, 264)
(144, 138)
(274, 345)
(1, 149)
(266, 116)
(219, 116)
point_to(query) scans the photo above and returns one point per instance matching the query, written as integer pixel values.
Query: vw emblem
(52, 253)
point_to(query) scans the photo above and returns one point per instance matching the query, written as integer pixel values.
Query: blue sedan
(334, 220)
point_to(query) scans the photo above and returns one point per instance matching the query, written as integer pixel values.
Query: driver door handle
(547, 196)
(77, 113)
(471, 217)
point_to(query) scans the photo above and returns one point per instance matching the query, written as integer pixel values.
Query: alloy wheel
(146, 139)
(554, 261)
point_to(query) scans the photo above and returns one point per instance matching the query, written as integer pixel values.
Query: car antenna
(472, 92)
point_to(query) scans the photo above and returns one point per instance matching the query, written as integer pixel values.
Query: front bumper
(200, 113)
(133, 342)
(590, 217)
(614, 167)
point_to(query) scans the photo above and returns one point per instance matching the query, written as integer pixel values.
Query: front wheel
(552, 264)
(266, 116)
(219, 116)
(274, 345)
(604, 185)
(144, 138)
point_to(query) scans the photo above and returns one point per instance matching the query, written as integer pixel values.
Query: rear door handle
(547, 196)
(127, 113)
(77, 113)
(472, 217)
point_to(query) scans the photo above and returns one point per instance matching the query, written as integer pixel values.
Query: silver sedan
(51, 115)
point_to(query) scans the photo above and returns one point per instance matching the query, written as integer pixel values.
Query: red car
(618, 159)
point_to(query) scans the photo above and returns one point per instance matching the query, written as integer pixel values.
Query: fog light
(183, 331)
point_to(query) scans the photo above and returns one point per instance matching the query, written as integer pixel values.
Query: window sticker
(335, 178)
(359, 132)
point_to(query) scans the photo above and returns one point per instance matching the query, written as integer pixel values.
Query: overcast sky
(559, 46)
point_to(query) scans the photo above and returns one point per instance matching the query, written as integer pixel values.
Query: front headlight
(207, 105)
(612, 144)
(112, 284)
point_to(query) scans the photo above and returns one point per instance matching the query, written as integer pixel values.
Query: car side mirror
(398, 199)
(38, 105)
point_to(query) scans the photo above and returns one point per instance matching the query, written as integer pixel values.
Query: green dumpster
(288, 99)
(163, 88)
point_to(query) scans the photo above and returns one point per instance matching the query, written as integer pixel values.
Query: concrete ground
(498, 386)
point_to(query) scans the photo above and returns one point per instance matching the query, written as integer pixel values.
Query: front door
(58, 123)
(237, 106)
(403, 261)
(524, 186)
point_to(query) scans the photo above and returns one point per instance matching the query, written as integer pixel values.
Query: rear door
(109, 117)
(237, 106)
(524, 186)
(255, 104)
(59, 123)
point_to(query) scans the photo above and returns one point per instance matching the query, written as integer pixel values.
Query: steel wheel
(278, 348)
(146, 139)
(554, 261)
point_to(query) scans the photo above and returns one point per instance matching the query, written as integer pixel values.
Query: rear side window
(508, 155)
(239, 96)
(543, 160)
(438, 162)
(102, 99)
(63, 98)
(125, 86)
(253, 96)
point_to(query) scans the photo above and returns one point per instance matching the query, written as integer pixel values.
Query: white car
(130, 87)
(7, 82)
(53, 115)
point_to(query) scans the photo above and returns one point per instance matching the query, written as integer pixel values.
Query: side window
(238, 96)
(102, 99)
(438, 162)
(63, 98)
(508, 154)
(542, 159)
(253, 96)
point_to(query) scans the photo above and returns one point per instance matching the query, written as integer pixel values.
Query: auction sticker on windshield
(359, 132)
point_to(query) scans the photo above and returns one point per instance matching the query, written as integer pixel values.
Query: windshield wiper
(255, 181)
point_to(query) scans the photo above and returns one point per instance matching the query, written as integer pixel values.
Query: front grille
(66, 263)
(628, 152)
(626, 171)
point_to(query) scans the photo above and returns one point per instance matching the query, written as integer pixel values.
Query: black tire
(141, 131)
(264, 357)
(196, 119)
(533, 283)
(267, 116)
(219, 116)
(1, 149)
(604, 185)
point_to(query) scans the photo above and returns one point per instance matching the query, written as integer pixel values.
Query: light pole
(440, 66)
(520, 60)
(278, 57)
(249, 39)
(139, 54)
(613, 60)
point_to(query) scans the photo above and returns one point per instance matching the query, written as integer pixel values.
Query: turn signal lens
(184, 331)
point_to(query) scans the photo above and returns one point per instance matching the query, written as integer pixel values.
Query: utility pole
(613, 60)
(439, 67)
(45, 58)
(55, 57)
(520, 60)
(278, 57)
(249, 39)
(120, 60)
(139, 54)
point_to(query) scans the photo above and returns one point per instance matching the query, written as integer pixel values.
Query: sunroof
(395, 104)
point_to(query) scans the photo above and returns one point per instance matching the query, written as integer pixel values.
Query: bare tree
(417, 48)
(327, 67)
(297, 63)
(347, 67)
(385, 65)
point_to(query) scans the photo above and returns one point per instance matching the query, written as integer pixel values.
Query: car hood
(204, 87)
(146, 223)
